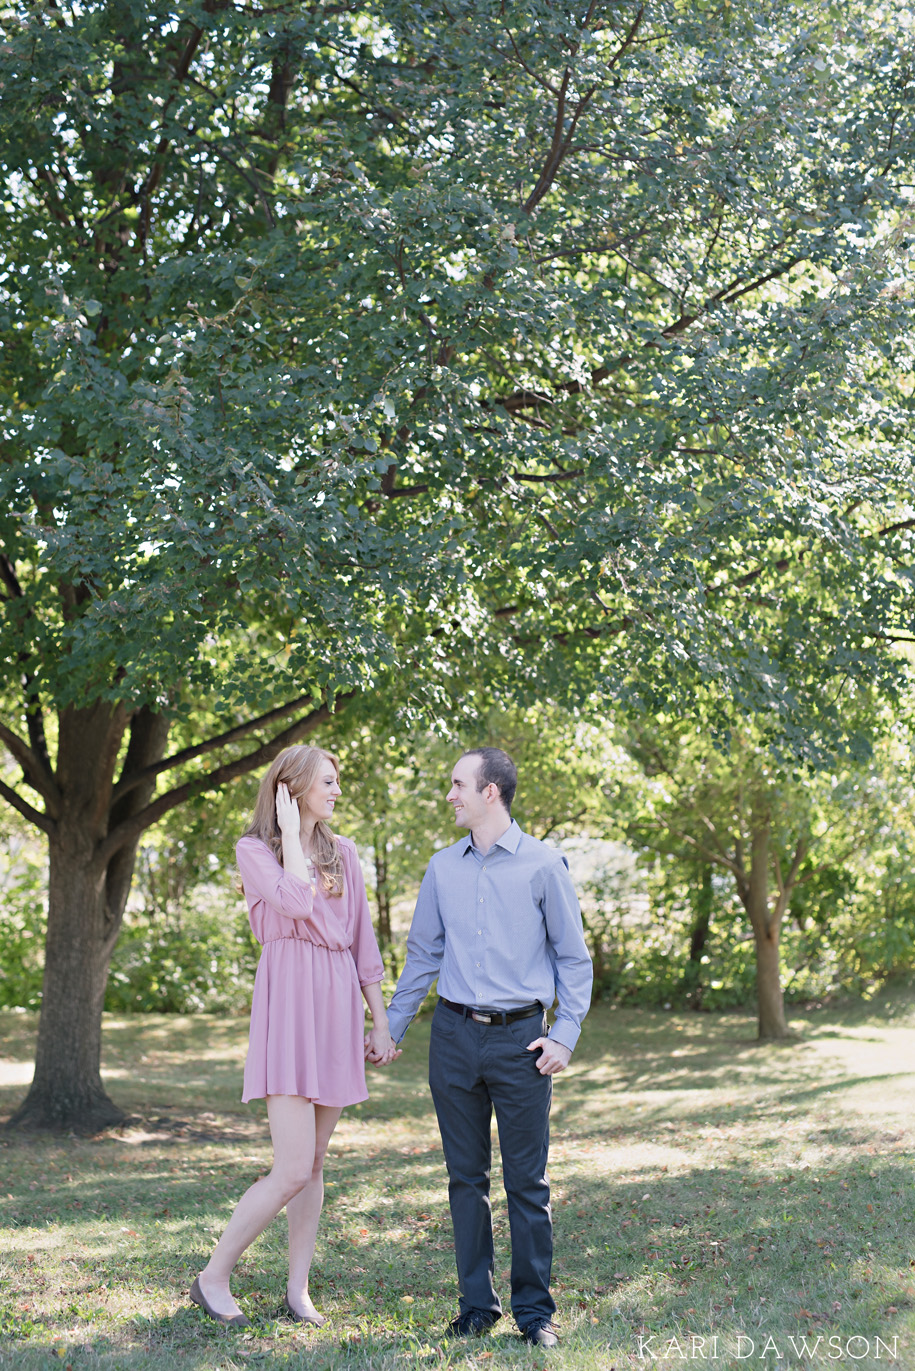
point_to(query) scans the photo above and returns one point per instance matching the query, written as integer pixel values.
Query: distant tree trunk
(86, 901)
(382, 888)
(769, 995)
(766, 923)
(698, 937)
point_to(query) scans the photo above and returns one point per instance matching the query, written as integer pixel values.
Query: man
(498, 923)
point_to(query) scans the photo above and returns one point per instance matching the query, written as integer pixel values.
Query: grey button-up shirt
(501, 930)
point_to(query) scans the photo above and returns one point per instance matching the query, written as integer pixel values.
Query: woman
(308, 909)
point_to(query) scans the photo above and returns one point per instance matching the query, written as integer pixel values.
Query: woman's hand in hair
(288, 819)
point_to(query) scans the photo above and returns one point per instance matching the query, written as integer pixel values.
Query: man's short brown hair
(498, 769)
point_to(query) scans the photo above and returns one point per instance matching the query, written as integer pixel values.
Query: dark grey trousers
(473, 1069)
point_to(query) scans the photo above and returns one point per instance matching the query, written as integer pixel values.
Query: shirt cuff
(565, 1032)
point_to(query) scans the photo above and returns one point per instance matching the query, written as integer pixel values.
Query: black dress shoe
(230, 1320)
(473, 1324)
(540, 1335)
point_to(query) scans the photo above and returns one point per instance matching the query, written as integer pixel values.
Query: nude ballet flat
(230, 1320)
(300, 1318)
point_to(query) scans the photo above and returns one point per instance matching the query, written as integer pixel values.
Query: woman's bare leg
(292, 1128)
(303, 1213)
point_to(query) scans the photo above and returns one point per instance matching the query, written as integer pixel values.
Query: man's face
(469, 805)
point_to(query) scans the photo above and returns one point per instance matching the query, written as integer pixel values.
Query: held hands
(287, 811)
(380, 1047)
(553, 1057)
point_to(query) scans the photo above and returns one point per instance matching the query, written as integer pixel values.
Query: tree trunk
(382, 889)
(766, 925)
(702, 920)
(67, 1091)
(769, 997)
(86, 901)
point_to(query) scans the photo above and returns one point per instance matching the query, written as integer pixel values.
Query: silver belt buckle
(480, 1018)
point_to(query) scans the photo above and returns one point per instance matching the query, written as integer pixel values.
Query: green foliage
(204, 962)
(849, 921)
(23, 878)
(638, 930)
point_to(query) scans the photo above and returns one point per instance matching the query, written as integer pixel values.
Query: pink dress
(318, 951)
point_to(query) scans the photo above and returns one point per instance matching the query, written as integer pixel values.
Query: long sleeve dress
(318, 951)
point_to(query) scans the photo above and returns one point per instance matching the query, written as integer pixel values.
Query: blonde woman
(308, 908)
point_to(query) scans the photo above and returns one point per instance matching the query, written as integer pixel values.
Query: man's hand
(380, 1047)
(553, 1056)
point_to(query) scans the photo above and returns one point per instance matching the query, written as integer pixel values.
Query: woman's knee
(291, 1181)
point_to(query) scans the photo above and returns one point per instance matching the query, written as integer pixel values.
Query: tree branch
(562, 140)
(22, 806)
(40, 768)
(785, 887)
(520, 399)
(560, 145)
(629, 39)
(130, 829)
(710, 854)
(149, 186)
(541, 81)
(36, 774)
(551, 478)
(894, 528)
(128, 781)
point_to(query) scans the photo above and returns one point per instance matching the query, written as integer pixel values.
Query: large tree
(345, 347)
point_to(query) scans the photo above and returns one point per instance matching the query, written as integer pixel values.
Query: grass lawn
(716, 1204)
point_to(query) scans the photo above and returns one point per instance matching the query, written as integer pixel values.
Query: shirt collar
(509, 840)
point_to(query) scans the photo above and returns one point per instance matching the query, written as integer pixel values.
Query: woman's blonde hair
(298, 769)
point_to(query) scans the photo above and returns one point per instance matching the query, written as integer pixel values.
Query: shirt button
(481, 899)
(478, 965)
(479, 932)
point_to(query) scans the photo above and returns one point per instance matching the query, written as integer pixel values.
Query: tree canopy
(567, 334)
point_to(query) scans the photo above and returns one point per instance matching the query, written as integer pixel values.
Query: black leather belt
(493, 1016)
